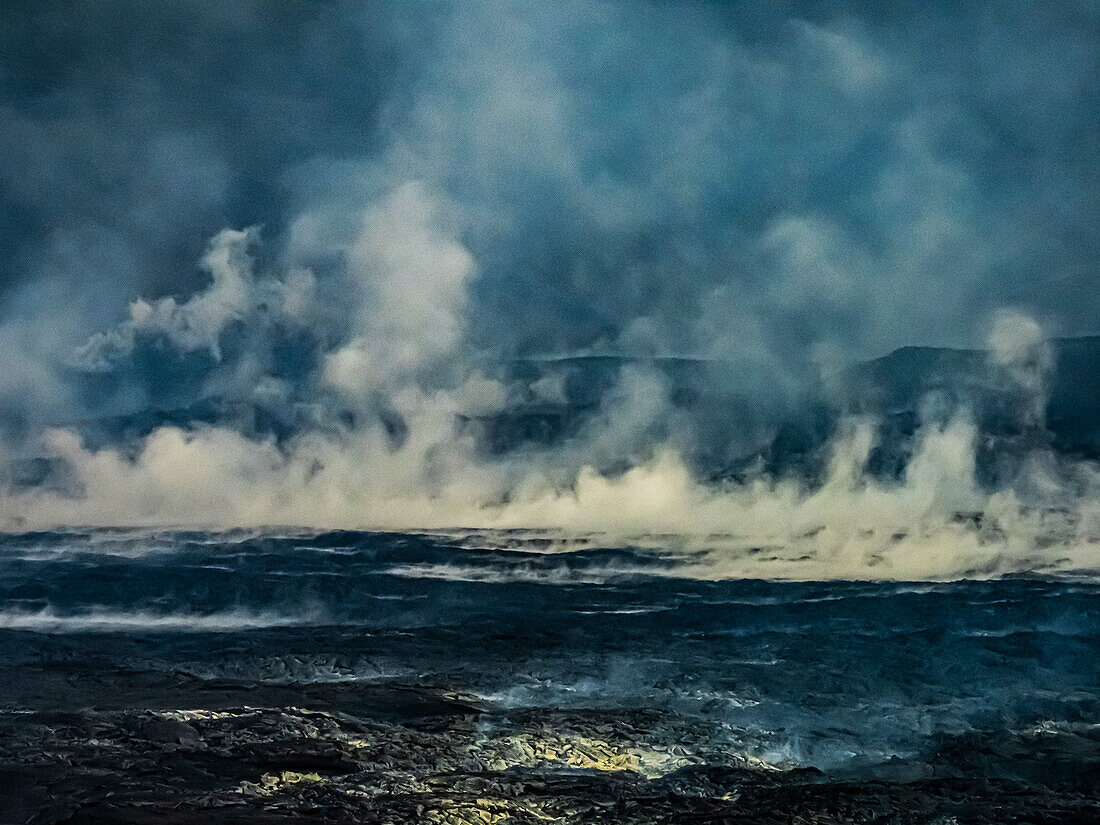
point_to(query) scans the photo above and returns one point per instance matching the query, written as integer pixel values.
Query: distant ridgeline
(902, 390)
(908, 387)
(703, 409)
(915, 384)
(928, 385)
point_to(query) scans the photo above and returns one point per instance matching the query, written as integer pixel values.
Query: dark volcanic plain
(192, 677)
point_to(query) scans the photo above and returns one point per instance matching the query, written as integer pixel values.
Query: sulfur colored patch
(271, 784)
(586, 753)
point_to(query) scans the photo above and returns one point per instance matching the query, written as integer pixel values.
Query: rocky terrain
(357, 677)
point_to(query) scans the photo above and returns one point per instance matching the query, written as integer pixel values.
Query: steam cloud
(774, 193)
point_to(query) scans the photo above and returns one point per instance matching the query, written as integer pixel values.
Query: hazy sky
(778, 185)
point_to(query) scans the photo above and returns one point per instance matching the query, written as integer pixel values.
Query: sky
(350, 209)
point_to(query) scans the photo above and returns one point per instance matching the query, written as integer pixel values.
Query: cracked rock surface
(268, 680)
(439, 760)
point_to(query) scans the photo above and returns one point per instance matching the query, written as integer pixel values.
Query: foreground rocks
(414, 754)
(378, 678)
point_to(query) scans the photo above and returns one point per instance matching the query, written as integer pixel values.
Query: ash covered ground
(466, 678)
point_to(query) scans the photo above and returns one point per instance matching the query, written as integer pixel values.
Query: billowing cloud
(198, 322)
(410, 278)
(730, 206)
